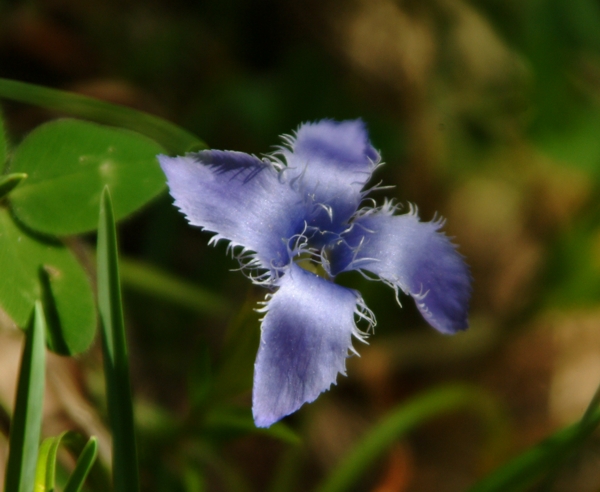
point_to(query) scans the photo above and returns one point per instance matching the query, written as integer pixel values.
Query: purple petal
(239, 197)
(330, 163)
(412, 256)
(306, 335)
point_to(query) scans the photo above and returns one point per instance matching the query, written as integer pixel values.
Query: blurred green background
(486, 112)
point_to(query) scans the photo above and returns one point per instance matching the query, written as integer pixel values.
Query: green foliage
(3, 144)
(45, 475)
(114, 349)
(174, 138)
(9, 182)
(84, 464)
(26, 260)
(68, 162)
(27, 415)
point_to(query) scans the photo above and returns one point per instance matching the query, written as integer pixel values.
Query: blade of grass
(398, 423)
(116, 364)
(27, 416)
(45, 472)
(45, 475)
(527, 468)
(83, 466)
(174, 138)
(41, 470)
(158, 283)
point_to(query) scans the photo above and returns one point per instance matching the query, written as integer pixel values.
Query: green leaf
(45, 476)
(27, 416)
(83, 466)
(399, 422)
(9, 182)
(23, 260)
(114, 349)
(45, 473)
(3, 145)
(174, 138)
(69, 162)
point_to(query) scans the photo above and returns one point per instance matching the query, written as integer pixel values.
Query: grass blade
(27, 416)
(396, 425)
(82, 468)
(174, 138)
(527, 468)
(116, 364)
(45, 473)
(44, 459)
(154, 281)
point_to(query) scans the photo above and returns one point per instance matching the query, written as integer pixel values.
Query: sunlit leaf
(114, 349)
(45, 475)
(27, 415)
(10, 182)
(23, 260)
(68, 163)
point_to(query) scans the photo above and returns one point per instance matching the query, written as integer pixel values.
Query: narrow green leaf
(45, 474)
(116, 364)
(68, 163)
(153, 281)
(527, 468)
(54, 334)
(41, 470)
(9, 182)
(83, 466)
(174, 138)
(27, 416)
(397, 424)
(24, 259)
(3, 144)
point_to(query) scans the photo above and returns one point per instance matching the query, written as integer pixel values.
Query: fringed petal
(329, 163)
(240, 198)
(412, 256)
(306, 336)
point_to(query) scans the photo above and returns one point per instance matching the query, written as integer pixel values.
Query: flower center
(307, 261)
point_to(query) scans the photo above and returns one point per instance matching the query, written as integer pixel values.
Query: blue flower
(301, 206)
